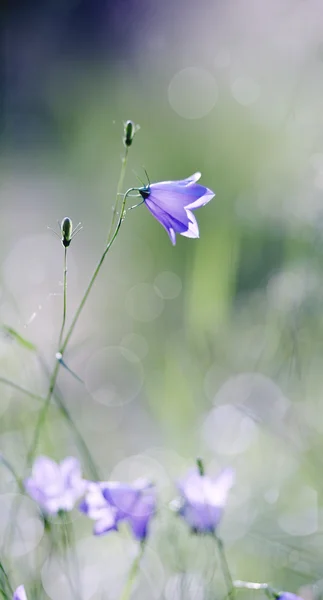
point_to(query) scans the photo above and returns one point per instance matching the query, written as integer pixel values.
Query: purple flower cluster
(58, 486)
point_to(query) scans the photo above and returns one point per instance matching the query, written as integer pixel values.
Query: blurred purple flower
(110, 502)
(203, 499)
(55, 486)
(20, 593)
(287, 596)
(172, 202)
(96, 507)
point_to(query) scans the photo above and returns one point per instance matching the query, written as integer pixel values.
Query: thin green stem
(126, 593)
(64, 298)
(21, 389)
(62, 348)
(42, 415)
(225, 568)
(124, 161)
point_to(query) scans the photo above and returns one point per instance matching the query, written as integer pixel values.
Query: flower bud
(200, 466)
(130, 129)
(66, 231)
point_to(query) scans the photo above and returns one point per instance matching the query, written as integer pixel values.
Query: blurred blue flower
(172, 202)
(20, 593)
(203, 499)
(108, 503)
(287, 596)
(55, 486)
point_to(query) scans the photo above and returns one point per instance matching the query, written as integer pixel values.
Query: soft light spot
(222, 59)
(245, 90)
(185, 585)
(114, 376)
(24, 533)
(168, 285)
(143, 304)
(301, 518)
(193, 92)
(228, 431)
(136, 343)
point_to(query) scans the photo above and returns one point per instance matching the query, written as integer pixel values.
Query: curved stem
(64, 298)
(21, 389)
(124, 161)
(225, 568)
(62, 348)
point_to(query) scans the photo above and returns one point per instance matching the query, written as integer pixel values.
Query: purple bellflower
(110, 502)
(20, 593)
(55, 486)
(203, 499)
(172, 203)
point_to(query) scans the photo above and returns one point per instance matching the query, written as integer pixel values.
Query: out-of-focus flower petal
(288, 596)
(20, 593)
(203, 499)
(110, 502)
(55, 486)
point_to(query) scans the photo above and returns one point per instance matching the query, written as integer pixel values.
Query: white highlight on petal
(193, 92)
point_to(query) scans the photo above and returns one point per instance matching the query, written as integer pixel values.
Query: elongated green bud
(200, 466)
(66, 231)
(130, 129)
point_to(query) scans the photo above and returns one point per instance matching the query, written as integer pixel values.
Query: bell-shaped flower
(203, 499)
(20, 593)
(96, 507)
(172, 203)
(110, 502)
(55, 486)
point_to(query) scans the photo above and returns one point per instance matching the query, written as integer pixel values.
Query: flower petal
(179, 221)
(20, 593)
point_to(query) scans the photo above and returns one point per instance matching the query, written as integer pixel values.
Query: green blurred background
(211, 348)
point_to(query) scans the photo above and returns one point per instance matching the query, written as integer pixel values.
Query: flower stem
(126, 593)
(62, 347)
(21, 389)
(225, 568)
(250, 585)
(124, 161)
(64, 298)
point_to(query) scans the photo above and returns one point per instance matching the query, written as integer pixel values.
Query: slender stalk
(124, 161)
(64, 298)
(225, 568)
(62, 348)
(21, 389)
(126, 593)
(250, 585)
(42, 415)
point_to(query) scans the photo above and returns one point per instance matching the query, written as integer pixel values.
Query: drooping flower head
(203, 499)
(20, 593)
(55, 486)
(172, 203)
(110, 502)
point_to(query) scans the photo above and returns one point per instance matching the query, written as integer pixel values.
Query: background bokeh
(212, 348)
